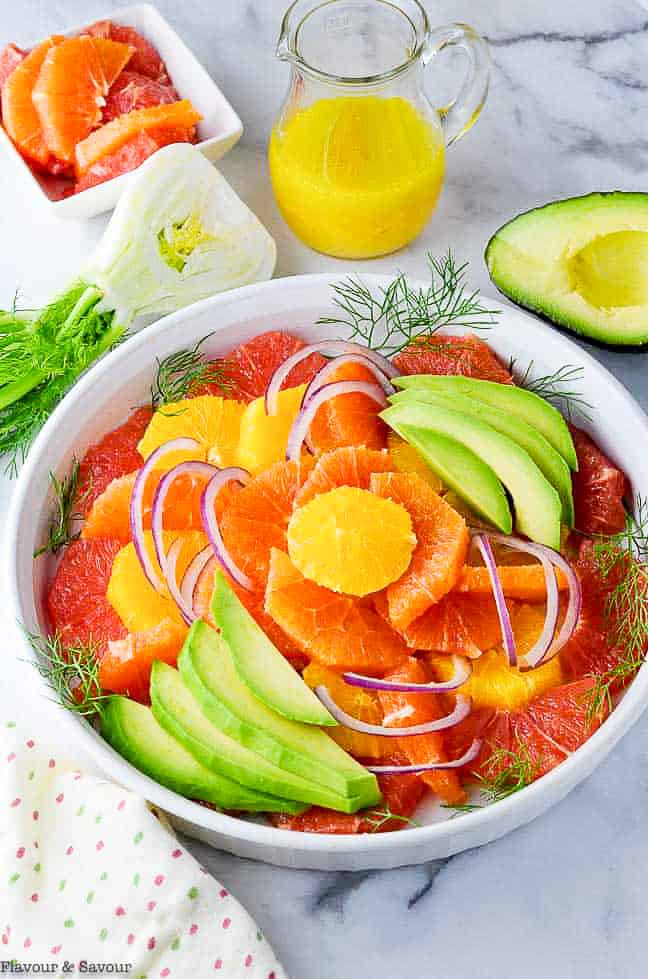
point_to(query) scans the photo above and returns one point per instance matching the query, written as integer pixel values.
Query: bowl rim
(267, 837)
(118, 182)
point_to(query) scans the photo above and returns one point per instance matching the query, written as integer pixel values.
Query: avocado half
(581, 263)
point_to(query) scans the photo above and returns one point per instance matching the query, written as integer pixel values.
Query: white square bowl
(219, 130)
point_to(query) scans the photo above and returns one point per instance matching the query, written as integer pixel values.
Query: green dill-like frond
(66, 497)
(185, 372)
(560, 388)
(400, 315)
(378, 818)
(505, 773)
(623, 557)
(71, 671)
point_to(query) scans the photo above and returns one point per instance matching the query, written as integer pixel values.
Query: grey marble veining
(563, 898)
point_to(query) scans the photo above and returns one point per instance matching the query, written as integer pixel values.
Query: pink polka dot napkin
(89, 874)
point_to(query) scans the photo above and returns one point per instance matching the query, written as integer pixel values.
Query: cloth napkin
(89, 873)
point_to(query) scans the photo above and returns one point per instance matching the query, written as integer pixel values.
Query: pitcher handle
(463, 111)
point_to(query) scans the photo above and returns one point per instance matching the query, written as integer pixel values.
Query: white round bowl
(102, 400)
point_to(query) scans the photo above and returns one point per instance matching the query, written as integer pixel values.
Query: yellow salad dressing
(356, 176)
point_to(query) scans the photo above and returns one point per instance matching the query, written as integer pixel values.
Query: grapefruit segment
(333, 630)
(438, 354)
(114, 455)
(132, 90)
(19, 115)
(257, 518)
(401, 796)
(128, 157)
(441, 548)
(407, 709)
(349, 419)
(126, 665)
(249, 367)
(76, 599)
(71, 89)
(146, 59)
(562, 714)
(112, 135)
(348, 466)
(599, 488)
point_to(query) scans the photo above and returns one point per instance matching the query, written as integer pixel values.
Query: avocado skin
(350, 779)
(134, 733)
(221, 754)
(556, 318)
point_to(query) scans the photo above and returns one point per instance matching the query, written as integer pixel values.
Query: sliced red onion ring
(461, 710)
(432, 766)
(462, 670)
(329, 348)
(171, 560)
(192, 574)
(210, 522)
(545, 554)
(192, 467)
(307, 412)
(508, 638)
(136, 505)
(325, 375)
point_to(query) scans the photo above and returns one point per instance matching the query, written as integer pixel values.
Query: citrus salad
(318, 583)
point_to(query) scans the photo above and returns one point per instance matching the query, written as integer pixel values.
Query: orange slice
(408, 709)
(333, 630)
(442, 544)
(351, 541)
(348, 466)
(211, 421)
(126, 665)
(466, 624)
(71, 89)
(362, 704)
(524, 581)
(349, 419)
(19, 115)
(114, 134)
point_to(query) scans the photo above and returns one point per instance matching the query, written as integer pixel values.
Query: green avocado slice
(207, 668)
(460, 469)
(259, 663)
(536, 503)
(546, 458)
(517, 401)
(580, 262)
(133, 731)
(178, 712)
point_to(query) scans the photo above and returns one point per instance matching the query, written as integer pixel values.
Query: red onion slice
(508, 638)
(461, 711)
(171, 560)
(329, 370)
(210, 522)
(136, 510)
(545, 554)
(192, 574)
(307, 412)
(432, 766)
(462, 671)
(189, 468)
(329, 348)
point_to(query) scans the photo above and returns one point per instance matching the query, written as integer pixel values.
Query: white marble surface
(564, 897)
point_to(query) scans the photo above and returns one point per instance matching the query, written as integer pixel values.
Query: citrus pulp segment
(351, 541)
(439, 354)
(125, 667)
(348, 466)
(19, 115)
(249, 367)
(407, 460)
(348, 419)
(263, 438)
(214, 423)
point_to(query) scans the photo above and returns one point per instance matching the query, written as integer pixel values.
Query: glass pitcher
(357, 153)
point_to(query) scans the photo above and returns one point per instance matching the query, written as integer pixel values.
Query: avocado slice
(259, 663)
(580, 262)
(133, 731)
(536, 503)
(550, 462)
(207, 667)
(461, 470)
(178, 712)
(530, 407)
